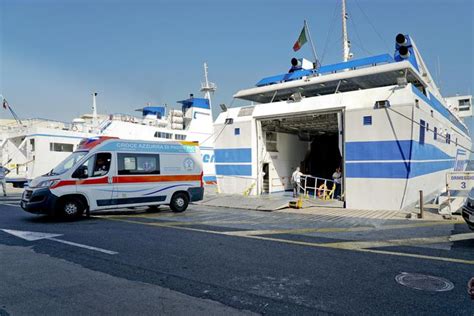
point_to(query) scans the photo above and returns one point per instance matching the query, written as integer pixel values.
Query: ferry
(381, 119)
(31, 148)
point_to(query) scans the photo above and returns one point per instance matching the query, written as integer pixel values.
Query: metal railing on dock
(317, 188)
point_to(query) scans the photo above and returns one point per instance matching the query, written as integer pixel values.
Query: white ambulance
(106, 173)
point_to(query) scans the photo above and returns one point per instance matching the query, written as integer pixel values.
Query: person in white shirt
(337, 177)
(296, 181)
(3, 172)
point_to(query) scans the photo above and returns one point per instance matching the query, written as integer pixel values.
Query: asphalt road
(212, 261)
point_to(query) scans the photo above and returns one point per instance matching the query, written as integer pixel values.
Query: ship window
(435, 133)
(367, 120)
(179, 136)
(271, 141)
(427, 126)
(61, 147)
(32, 144)
(163, 135)
(464, 105)
(422, 132)
(237, 131)
(448, 138)
(246, 111)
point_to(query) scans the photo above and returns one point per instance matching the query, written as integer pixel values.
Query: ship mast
(346, 44)
(207, 87)
(94, 110)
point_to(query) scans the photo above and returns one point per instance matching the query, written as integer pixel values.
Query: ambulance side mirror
(82, 172)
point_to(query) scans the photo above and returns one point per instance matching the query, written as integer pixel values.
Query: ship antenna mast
(345, 39)
(94, 110)
(207, 87)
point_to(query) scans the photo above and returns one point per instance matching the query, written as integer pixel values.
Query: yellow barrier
(249, 189)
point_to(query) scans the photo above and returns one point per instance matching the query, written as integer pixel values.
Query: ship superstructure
(382, 119)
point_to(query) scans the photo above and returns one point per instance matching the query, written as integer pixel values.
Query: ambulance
(109, 173)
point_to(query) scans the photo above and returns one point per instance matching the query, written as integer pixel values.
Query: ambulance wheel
(179, 202)
(71, 208)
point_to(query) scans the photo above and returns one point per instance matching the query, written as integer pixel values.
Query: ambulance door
(95, 177)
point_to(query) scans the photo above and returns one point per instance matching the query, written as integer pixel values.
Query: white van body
(108, 173)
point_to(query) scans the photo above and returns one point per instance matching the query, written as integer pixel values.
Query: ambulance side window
(96, 166)
(102, 164)
(138, 164)
(85, 166)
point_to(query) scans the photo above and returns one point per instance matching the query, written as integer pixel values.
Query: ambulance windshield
(67, 163)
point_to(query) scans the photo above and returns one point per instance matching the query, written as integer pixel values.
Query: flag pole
(316, 59)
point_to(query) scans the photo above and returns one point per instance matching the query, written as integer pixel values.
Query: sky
(55, 53)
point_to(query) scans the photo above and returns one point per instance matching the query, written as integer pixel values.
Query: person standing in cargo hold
(296, 181)
(336, 176)
(3, 172)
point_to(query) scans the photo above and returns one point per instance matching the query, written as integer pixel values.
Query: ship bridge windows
(61, 147)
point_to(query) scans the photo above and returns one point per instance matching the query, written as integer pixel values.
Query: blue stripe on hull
(234, 170)
(233, 155)
(393, 150)
(378, 159)
(395, 170)
(382, 150)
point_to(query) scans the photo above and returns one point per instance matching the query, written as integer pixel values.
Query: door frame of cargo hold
(340, 112)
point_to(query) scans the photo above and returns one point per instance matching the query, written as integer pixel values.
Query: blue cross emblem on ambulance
(188, 164)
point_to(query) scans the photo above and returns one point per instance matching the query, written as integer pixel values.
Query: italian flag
(301, 39)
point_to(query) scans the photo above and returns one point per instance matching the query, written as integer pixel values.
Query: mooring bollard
(421, 205)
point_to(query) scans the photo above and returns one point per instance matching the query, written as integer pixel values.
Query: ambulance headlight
(47, 183)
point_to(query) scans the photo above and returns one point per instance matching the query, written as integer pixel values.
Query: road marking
(33, 236)
(400, 242)
(332, 229)
(459, 237)
(218, 222)
(346, 245)
(413, 255)
(279, 231)
(393, 253)
(109, 252)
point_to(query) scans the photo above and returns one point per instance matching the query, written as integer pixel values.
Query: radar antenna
(345, 38)
(207, 87)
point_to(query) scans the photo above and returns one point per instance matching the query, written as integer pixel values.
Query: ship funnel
(301, 63)
(404, 52)
(401, 39)
(403, 47)
(295, 62)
